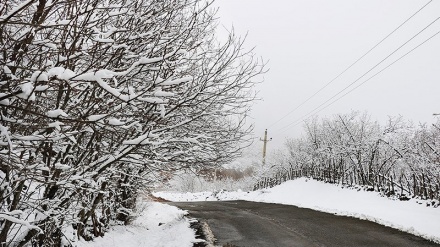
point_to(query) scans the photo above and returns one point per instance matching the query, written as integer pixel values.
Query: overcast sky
(310, 42)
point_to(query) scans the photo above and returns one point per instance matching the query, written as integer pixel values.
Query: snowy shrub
(398, 159)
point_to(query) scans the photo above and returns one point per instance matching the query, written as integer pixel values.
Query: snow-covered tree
(99, 99)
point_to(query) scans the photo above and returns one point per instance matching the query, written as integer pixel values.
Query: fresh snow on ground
(158, 225)
(411, 216)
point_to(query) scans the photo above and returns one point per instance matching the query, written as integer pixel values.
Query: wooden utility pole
(265, 141)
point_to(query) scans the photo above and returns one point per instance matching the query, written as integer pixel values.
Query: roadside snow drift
(158, 225)
(413, 216)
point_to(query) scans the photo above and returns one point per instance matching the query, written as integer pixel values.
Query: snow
(62, 166)
(63, 22)
(94, 118)
(98, 76)
(56, 113)
(115, 121)
(143, 139)
(51, 45)
(145, 60)
(158, 225)
(5, 132)
(121, 46)
(5, 101)
(49, 63)
(41, 88)
(411, 216)
(7, 70)
(39, 76)
(162, 110)
(160, 93)
(61, 73)
(15, 220)
(27, 91)
(30, 138)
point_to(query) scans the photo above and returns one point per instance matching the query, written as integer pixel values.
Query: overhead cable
(314, 111)
(351, 65)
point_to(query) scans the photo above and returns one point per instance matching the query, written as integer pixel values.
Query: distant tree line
(214, 180)
(398, 159)
(100, 100)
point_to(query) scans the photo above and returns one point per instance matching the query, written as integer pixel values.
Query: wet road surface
(242, 223)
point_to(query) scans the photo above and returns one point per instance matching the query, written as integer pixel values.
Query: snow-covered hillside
(413, 216)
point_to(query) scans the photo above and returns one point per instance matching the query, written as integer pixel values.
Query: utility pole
(265, 141)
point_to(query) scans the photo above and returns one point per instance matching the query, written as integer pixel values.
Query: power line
(334, 101)
(350, 66)
(389, 55)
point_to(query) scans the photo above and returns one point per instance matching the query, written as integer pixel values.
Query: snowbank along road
(243, 223)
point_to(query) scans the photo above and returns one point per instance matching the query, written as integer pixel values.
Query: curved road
(242, 223)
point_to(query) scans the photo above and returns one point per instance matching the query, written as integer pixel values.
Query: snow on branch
(10, 217)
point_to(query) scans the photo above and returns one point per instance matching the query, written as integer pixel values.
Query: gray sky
(310, 42)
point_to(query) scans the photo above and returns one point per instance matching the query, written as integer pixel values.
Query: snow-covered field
(158, 225)
(411, 216)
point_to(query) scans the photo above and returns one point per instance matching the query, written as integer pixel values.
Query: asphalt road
(241, 223)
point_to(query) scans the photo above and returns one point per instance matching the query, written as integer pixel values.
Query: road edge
(203, 232)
